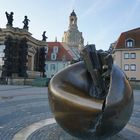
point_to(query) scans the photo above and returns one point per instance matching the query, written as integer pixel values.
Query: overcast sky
(101, 21)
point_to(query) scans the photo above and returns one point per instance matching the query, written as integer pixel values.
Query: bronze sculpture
(85, 108)
(9, 18)
(26, 22)
(44, 37)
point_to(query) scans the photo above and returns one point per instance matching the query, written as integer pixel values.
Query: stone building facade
(33, 45)
(73, 39)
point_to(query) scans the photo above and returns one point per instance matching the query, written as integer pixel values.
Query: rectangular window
(126, 55)
(52, 66)
(53, 56)
(126, 67)
(1, 61)
(1, 54)
(133, 67)
(133, 55)
(129, 44)
(2, 47)
(133, 78)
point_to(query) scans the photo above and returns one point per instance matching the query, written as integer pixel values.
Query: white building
(57, 58)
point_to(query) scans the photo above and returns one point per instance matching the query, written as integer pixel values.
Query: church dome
(73, 13)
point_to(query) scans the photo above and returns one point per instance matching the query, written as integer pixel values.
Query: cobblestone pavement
(24, 111)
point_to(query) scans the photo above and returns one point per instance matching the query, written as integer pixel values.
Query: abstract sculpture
(91, 99)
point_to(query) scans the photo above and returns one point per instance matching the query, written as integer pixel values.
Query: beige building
(127, 53)
(33, 45)
(73, 39)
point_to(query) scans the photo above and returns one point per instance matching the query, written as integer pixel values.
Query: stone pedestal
(55, 132)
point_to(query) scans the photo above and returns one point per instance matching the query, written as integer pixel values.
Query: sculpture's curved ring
(84, 116)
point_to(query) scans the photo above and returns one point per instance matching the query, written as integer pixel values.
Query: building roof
(73, 13)
(131, 34)
(62, 53)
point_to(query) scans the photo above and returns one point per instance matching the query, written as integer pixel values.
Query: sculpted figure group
(10, 20)
(26, 21)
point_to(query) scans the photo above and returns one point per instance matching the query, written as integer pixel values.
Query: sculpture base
(55, 132)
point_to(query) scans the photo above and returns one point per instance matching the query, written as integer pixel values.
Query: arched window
(129, 43)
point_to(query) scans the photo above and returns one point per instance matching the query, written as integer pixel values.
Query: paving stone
(21, 106)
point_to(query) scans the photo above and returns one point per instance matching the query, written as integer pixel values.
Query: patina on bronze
(83, 114)
(99, 65)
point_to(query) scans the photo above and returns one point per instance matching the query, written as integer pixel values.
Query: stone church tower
(73, 38)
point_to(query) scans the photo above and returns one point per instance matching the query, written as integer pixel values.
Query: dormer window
(55, 49)
(129, 43)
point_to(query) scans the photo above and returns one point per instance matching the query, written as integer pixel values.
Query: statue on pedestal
(9, 18)
(44, 37)
(26, 22)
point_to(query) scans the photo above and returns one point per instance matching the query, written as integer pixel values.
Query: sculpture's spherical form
(84, 116)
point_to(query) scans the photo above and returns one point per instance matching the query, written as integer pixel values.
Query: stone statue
(26, 22)
(44, 36)
(91, 99)
(9, 18)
